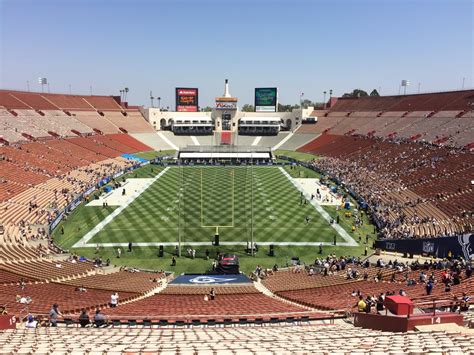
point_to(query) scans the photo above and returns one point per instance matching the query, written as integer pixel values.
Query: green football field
(190, 202)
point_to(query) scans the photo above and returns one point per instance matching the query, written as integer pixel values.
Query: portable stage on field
(225, 154)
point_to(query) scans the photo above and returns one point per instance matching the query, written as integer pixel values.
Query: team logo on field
(209, 280)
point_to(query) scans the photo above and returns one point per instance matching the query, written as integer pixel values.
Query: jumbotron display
(266, 99)
(187, 99)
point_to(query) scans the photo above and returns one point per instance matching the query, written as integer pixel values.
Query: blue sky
(296, 45)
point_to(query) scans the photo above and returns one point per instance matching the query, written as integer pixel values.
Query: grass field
(197, 200)
(304, 157)
(192, 201)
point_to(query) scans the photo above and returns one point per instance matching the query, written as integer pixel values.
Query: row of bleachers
(47, 269)
(284, 280)
(340, 296)
(403, 180)
(36, 115)
(129, 141)
(114, 144)
(447, 101)
(14, 252)
(24, 122)
(41, 101)
(418, 124)
(69, 146)
(121, 281)
(95, 121)
(27, 160)
(132, 122)
(191, 306)
(95, 146)
(11, 172)
(43, 295)
(304, 339)
(9, 189)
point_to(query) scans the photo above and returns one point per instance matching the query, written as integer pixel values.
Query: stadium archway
(162, 123)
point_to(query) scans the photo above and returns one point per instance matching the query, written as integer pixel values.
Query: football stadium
(233, 213)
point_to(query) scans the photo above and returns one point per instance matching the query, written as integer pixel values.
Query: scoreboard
(187, 99)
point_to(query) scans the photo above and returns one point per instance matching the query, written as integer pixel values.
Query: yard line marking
(256, 140)
(233, 204)
(322, 212)
(168, 244)
(195, 141)
(83, 241)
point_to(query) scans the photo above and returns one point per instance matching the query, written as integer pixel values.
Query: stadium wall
(158, 118)
(441, 247)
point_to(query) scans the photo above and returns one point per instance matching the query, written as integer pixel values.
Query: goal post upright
(251, 208)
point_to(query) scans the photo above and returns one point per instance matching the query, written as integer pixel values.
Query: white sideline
(256, 140)
(83, 241)
(195, 141)
(170, 143)
(326, 216)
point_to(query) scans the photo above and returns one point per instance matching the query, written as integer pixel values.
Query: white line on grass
(83, 241)
(326, 216)
(169, 244)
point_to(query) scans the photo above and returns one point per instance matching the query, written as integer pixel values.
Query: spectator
(54, 314)
(465, 302)
(380, 303)
(100, 320)
(31, 322)
(3, 310)
(361, 305)
(429, 287)
(114, 298)
(212, 294)
(84, 318)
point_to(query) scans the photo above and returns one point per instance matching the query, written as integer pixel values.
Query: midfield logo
(209, 280)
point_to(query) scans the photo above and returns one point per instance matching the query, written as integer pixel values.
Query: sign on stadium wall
(226, 105)
(462, 245)
(120, 173)
(187, 99)
(74, 204)
(88, 192)
(266, 99)
(55, 223)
